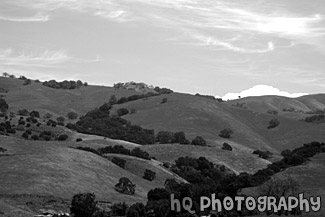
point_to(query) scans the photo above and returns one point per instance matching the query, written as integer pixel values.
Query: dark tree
(199, 141)
(149, 175)
(83, 205)
(226, 146)
(125, 186)
(34, 114)
(122, 111)
(273, 123)
(226, 133)
(119, 162)
(72, 115)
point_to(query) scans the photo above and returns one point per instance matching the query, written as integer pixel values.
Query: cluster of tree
(142, 86)
(64, 84)
(99, 122)
(118, 149)
(316, 119)
(7, 75)
(125, 186)
(167, 137)
(210, 97)
(263, 154)
(272, 112)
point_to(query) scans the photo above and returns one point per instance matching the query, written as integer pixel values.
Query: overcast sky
(206, 46)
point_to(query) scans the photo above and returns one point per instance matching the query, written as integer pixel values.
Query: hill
(54, 169)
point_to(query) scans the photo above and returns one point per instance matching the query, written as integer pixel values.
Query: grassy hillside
(57, 101)
(30, 167)
(200, 116)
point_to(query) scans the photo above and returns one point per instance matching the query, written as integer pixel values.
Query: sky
(218, 47)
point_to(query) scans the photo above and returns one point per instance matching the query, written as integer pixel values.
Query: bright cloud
(261, 90)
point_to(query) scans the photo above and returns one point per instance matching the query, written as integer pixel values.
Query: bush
(226, 146)
(164, 100)
(63, 137)
(272, 112)
(119, 162)
(119, 209)
(125, 186)
(263, 154)
(199, 141)
(83, 205)
(149, 175)
(47, 138)
(2, 149)
(226, 133)
(3, 104)
(11, 131)
(78, 139)
(273, 123)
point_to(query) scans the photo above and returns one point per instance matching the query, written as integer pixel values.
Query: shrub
(273, 123)
(272, 112)
(78, 139)
(119, 162)
(63, 137)
(226, 146)
(164, 100)
(27, 82)
(25, 135)
(3, 104)
(149, 175)
(83, 205)
(2, 149)
(226, 133)
(199, 141)
(125, 186)
(137, 152)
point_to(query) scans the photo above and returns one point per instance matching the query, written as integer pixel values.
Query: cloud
(44, 59)
(47, 58)
(255, 26)
(36, 18)
(261, 90)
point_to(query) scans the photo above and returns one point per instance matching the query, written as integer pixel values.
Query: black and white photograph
(162, 108)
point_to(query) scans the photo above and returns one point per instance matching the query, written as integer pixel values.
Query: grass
(48, 168)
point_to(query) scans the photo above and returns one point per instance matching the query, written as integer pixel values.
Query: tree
(226, 133)
(83, 205)
(273, 123)
(199, 141)
(149, 175)
(3, 104)
(72, 115)
(165, 137)
(125, 186)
